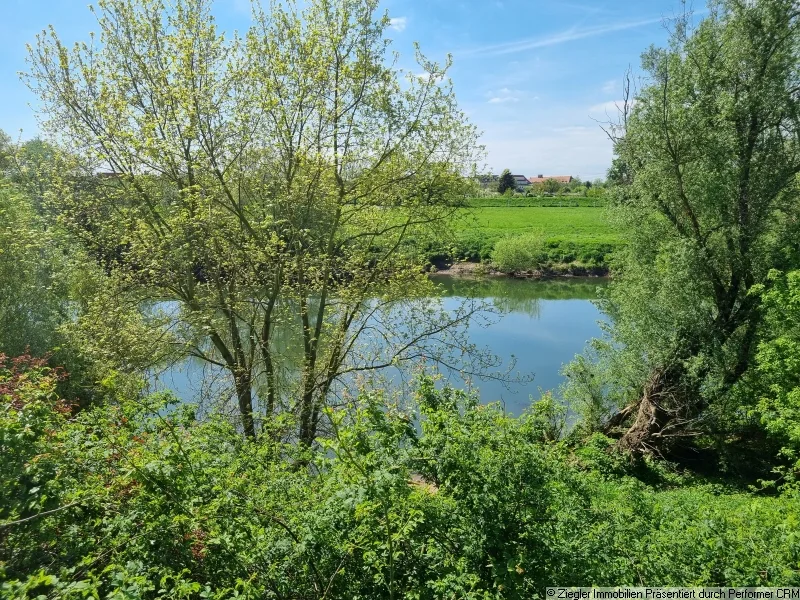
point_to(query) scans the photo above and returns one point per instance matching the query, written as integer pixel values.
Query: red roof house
(558, 178)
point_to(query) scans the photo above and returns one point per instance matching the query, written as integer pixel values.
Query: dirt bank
(474, 269)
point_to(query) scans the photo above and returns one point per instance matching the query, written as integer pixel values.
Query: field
(577, 224)
(523, 201)
(538, 237)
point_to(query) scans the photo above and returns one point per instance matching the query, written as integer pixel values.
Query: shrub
(520, 253)
(778, 364)
(140, 500)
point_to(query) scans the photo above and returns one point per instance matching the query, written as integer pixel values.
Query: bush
(140, 500)
(526, 252)
(778, 364)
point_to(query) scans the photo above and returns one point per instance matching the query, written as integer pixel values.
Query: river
(541, 325)
(537, 325)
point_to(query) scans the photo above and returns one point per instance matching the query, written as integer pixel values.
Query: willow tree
(710, 152)
(268, 182)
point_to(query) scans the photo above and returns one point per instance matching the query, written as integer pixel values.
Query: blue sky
(533, 75)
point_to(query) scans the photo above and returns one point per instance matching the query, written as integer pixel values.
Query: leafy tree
(706, 176)
(267, 183)
(33, 294)
(49, 294)
(778, 373)
(516, 254)
(619, 173)
(488, 181)
(596, 192)
(33, 169)
(6, 151)
(506, 182)
(551, 186)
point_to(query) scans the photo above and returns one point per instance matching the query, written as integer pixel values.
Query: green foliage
(6, 152)
(253, 232)
(551, 186)
(706, 197)
(34, 170)
(506, 183)
(778, 364)
(580, 236)
(50, 295)
(259, 214)
(31, 411)
(138, 499)
(533, 253)
(520, 253)
(595, 192)
(32, 277)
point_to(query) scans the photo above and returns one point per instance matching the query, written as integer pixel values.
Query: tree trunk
(244, 394)
(648, 424)
(308, 429)
(662, 406)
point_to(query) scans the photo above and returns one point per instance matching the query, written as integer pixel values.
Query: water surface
(536, 325)
(541, 324)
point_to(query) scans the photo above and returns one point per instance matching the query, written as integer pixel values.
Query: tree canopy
(506, 182)
(251, 178)
(706, 181)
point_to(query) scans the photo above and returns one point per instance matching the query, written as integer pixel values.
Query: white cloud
(504, 95)
(574, 33)
(398, 23)
(610, 86)
(427, 76)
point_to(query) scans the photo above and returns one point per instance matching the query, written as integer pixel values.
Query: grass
(579, 224)
(566, 239)
(542, 201)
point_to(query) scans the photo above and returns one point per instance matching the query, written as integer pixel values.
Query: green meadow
(579, 224)
(561, 238)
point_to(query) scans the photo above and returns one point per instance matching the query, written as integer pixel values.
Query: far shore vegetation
(524, 231)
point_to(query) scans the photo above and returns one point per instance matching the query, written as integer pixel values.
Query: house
(521, 181)
(558, 178)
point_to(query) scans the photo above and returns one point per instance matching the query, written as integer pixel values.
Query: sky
(537, 77)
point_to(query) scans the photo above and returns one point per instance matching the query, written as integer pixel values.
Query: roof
(520, 179)
(558, 178)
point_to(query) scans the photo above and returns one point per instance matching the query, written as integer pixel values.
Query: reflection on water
(544, 324)
(520, 290)
(541, 325)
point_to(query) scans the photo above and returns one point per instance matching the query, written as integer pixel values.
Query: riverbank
(470, 269)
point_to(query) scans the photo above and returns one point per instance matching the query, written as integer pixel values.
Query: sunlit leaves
(268, 183)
